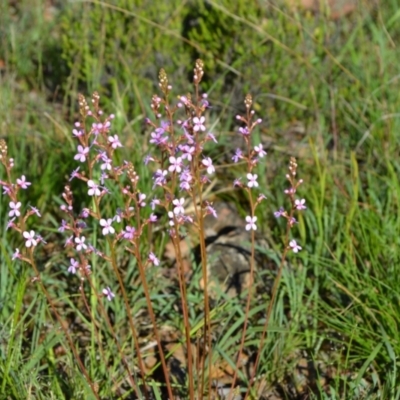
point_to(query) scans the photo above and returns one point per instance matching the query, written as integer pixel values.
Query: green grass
(338, 306)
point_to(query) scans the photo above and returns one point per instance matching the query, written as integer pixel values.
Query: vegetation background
(327, 88)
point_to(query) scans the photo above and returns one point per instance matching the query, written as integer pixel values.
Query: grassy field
(327, 91)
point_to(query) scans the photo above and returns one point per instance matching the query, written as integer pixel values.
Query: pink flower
(36, 211)
(199, 124)
(251, 223)
(82, 153)
(179, 206)
(237, 156)
(153, 259)
(23, 183)
(259, 150)
(252, 180)
(114, 141)
(207, 162)
(128, 233)
(176, 164)
(80, 241)
(108, 293)
(16, 254)
(300, 204)
(94, 189)
(30, 239)
(107, 228)
(73, 266)
(294, 246)
(14, 209)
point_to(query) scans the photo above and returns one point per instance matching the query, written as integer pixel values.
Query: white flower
(179, 206)
(207, 162)
(153, 259)
(176, 164)
(251, 223)
(108, 293)
(30, 239)
(294, 246)
(14, 209)
(252, 180)
(94, 189)
(107, 226)
(300, 204)
(199, 124)
(80, 241)
(259, 150)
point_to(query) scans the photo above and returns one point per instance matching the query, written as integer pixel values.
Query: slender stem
(128, 308)
(65, 330)
(182, 287)
(153, 319)
(271, 303)
(110, 327)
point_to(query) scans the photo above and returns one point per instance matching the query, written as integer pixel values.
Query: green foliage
(339, 79)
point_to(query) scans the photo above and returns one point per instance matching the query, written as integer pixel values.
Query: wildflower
(74, 174)
(237, 182)
(211, 210)
(82, 153)
(6, 189)
(16, 254)
(259, 150)
(103, 177)
(118, 215)
(30, 239)
(155, 202)
(199, 124)
(157, 137)
(10, 223)
(300, 204)
(160, 177)
(252, 180)
(14, 209)
(147, 159)
(80, 241)
(94, 188)
(106, 162)
(261, 197)
(279, 213)
(107, 226)
(64, 225)
(188, 152)
(77, 133)
(36, 211)
(251, 223)
(141, 201)
(23, 183)
(211, 136)
(176, 164)
(237, 156)
(178, 206)
(128, 233)
(244, 131)
(207, 162)
(154, 260)
(153, 218)
(68, 242)
(108, 293)
(294, 246)
(171, 218)
(114, 141)
(73, 266)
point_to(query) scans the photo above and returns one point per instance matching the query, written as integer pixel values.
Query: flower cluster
(18, 218)
(252, 158)
(296, 204)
